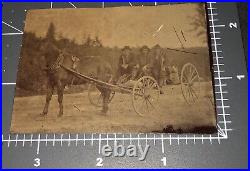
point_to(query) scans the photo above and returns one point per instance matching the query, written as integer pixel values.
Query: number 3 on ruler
(233, 25)
(99, 162)
(37, 162)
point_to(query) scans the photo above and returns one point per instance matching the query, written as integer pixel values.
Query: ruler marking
(72, 4)
(76, 140)
(107, 139)
(16, 140)
(100, 143)
(154, 140)
(138, 136)
(61, 139)
(31, 139)
(113, 139)
(24, 140)
(218, 137)
(9, 141)
(69, 141)
(38, 145)
(210, 139)
(46, 142)
(220, 107)
(92, 139)
(162, 144)
(170, 140)
(213, 26)
(84, 140)
(218, 85)
(123, 141)
(54, 140)
(222, 99)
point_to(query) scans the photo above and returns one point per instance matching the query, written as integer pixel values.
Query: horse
(58, 77)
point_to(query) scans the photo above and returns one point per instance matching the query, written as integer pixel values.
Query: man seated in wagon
(128, 66)
(145, 59)
(159, 65)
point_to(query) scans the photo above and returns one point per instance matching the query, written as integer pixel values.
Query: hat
(126, 48)
(144, 47)
(157, 46)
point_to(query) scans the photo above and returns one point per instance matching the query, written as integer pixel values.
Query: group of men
(150, 62)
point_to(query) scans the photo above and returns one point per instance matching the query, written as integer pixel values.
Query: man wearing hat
(127, 65)
(158, 65)
(144, 60)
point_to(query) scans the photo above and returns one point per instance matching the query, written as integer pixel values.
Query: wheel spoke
(186, 91)
(191, 75)
(147, 105)
(152, 85)
(150, 103)
(192, 80)
(185, 78)
(142, 104)
(194, 92)
(193, 98)
(189, 93)
(148, 82)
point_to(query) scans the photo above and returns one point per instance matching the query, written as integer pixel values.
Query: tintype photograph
(115, 70)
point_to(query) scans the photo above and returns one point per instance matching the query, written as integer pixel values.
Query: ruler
(225, 149)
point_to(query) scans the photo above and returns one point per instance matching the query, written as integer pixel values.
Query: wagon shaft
(112, 87)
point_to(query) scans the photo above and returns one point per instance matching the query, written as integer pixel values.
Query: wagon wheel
(145, 95)
(95, 96)
(190, 83)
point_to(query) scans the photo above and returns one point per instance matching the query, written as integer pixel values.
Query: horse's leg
(106, 96)
(50, 89)
(60, 89)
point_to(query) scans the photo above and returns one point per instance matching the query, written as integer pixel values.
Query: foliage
(32, 78)
(199, 22)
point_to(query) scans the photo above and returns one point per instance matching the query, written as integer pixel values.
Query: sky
(121, 26)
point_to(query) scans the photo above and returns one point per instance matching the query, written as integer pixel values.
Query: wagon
(145, 91)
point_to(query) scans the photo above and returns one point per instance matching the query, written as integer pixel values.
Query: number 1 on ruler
(164, 161)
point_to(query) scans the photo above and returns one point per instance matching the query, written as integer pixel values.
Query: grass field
(81, 117)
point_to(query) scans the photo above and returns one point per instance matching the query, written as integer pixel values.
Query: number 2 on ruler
(233, 25)
(99, 162)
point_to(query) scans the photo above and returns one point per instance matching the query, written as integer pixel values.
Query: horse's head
(69, 60)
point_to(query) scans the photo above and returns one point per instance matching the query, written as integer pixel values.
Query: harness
(57, 64)
(59, 61)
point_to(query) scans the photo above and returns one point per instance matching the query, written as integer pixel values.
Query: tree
(97, 42)
(199, 22)
(88, 42)
(51, 33)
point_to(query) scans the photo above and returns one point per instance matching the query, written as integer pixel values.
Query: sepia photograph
(115, 70)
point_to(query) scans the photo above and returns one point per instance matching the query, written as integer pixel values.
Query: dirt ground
(82, 117)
